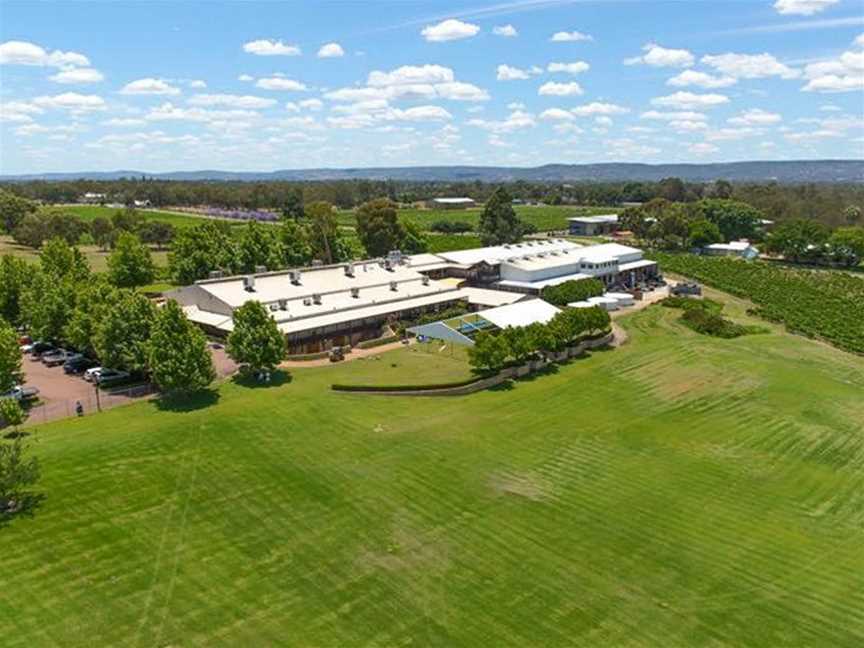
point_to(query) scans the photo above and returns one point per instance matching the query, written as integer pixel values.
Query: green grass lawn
(428, 363)
(91, 212)
(679, 490)
(96, 257)
(544, 218)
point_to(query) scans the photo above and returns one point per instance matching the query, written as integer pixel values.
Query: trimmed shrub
(371, 344)
(572, 291)
(389, 388)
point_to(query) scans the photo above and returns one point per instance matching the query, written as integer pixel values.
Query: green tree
(12, 414)
(130, 264)
(292, 205)
(198, 251)
(157, 233)
(852, 214)
(122, 334)
(47, 304)
(17, 472)
(378, 227)
(324, 236)
(413, 240)
(519, 343)
(60, 260)
(703, 232)
(10, 357)
(489, 353)
(572, 291)
(295, 244)
(13, 209)
(798, 239)
(256, 342)
(92, 298)
(736, 220)
(128, 220)
(498, 222)
(259, 245)
(14, 276)
(102, 232)
(672, 189)
(178, 357)
(847, 245)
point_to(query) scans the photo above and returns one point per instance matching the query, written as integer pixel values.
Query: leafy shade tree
(256, 342)
(720, 189)
(12, 414)
(92, 299)
(498, 222)
(736, 220)
(798, 240)
(38, 227)
(519, 343)
(198, 251)
(295, 244)
(672, 189)
(324, 236)
(380, 230)
(177, 353)
(10, 357)
(17, 473)
(489, 353)
(13, 209)
(703, 232)
(60, 261)
(14, 276)
(572, 291)
(259, 246)
(413, 240)
(47, 304)
(157, 233)
(130, 264)
(102, 232)
(292, 205)
(846, 245)
(853, 214)
(128, 220)
(122, 334)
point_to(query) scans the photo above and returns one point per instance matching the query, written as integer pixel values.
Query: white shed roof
(520, 314)
(498, 253)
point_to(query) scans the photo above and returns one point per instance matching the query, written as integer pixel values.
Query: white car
(92, 374)
(20, 393)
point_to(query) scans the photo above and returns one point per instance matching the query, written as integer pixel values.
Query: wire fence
(91, 404)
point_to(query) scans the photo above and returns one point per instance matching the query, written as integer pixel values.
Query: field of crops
(680, 490)
(91, 212)
(544, 218)
(826, 305)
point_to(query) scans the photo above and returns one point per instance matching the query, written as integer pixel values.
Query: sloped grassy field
(679, 490)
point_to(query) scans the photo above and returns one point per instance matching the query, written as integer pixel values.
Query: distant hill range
(790, 171)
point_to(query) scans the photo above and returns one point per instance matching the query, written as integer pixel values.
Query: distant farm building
(90, 198)
(451, 203)
(593, 225)
(741, 249)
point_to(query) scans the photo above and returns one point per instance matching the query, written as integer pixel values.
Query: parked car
(56, 357)
(91, 374)
(109, 376)
(21, 393)
(27, 348)
(24, 339)
(77, 364)
(40, 348)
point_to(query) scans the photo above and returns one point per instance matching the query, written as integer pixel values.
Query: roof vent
(283, 304)
(307, 301)
(316, 299)
(394, 286)
(355, 293)
(317, 262)
(249, 283)
(388, 265)
(295, 277)
(260, 269)
(274, 308)
(425, 280)
(349, 269)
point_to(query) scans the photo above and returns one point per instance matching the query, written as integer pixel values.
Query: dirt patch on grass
(407, 548)
(530, 486)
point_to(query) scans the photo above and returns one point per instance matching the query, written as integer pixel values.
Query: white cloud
(267, 47)
(77, 75)
(198, 84)
(843, 74)
(690, 100)
(702, 148)
(169, 112)
(552, 88)
(802, 7)
(729, 134)
(18, 111)
(517, 120)
(509, 73)
(331, 50)
(245, 77)
(448, 30)
(366, 114)
(574, 68)
(149, 86)
(71, 101)
(505, 30)
(557, 114)
(830, 108)
(755, 117)
(570, 37)
(123, 122)
(311, 104)
(859, 40)
(603, 121)
(411, 82)
(657, 56)
(278, 83)
(459, 91)
(411, 74)
(700, 79)
(26, 53)
(673, 116)
(750, 66)
(232, 101)
(599, 108)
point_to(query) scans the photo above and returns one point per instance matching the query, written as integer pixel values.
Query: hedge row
(307, 356)
(391, 388)
(370, 344)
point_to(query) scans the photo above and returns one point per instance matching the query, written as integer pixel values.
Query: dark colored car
(40, 348)
(56, 358)
(77, 364)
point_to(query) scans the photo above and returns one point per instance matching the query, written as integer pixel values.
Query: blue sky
(162, 86)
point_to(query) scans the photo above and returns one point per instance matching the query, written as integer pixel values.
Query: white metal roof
(498, 253)
(732, 246)
(633, 265)
(520, 314)
(600, 218)
(539, 285)
(485, 297)
(453, 201)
